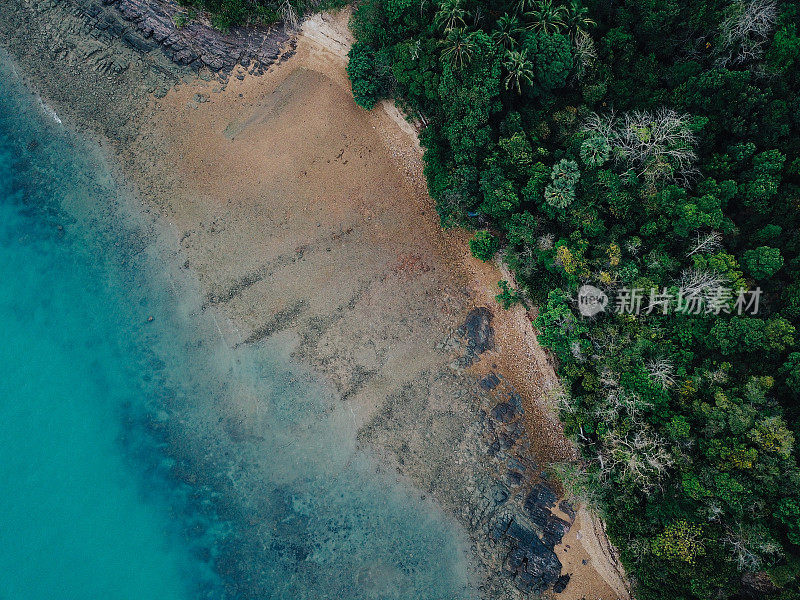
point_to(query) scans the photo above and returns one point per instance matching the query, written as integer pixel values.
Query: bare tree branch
(706, 243)
(745, 32)
(659, 145)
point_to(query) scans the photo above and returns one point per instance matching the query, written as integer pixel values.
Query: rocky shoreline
(99, 55)
(195, 45)
(513, 508)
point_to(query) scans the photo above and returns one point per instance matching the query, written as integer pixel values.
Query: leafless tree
(609, 378)
(289, 15)
(601, 125)
(718, 376)
(701, 283)
(620, 403)
(710, 242)
(477, 16)
(634, 405)
(751, 547)
(639, 456)
(745, 32)
(585, 53)
(662, 371)
(546, 241)
(638, 549)
(633, 246)
(608, 410)
(660, 145)
(556, 395)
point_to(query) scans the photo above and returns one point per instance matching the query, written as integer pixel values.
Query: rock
(554, 531)
(504, 412)
(561, 584)
(514, 478)
(137, 42)
(152, 24)
(567, 509)
(538, 504)
(489, 382)
(541, 495)
(533, 566)
(478, 330)
(499, 493)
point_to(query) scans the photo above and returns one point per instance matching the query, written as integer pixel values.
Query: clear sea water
(143, 458)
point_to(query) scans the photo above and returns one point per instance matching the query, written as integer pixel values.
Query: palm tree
(519, 69)
(459, 47)
(506, 32)
(546, 17)
(450, 15)
(577, 18)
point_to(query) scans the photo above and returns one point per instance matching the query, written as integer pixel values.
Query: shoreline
(209, 230)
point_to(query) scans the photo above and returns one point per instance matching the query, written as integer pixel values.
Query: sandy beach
(306, 219)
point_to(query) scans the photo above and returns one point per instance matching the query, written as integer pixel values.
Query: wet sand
(306, 221)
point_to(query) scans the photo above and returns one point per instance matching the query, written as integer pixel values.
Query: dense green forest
(648, 148)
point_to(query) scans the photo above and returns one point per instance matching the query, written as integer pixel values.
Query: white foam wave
(49, 111)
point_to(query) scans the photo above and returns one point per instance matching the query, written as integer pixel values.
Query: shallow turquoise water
(75, 521)
(118, 478)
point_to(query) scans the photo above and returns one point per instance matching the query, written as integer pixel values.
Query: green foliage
(560, 192)
(181, 19)
(595, 151)
(363, 78)
(788, 513)
(225, 14)
(484, 245)
(559, 328)
(636, 144)
(762, 262)
(508, 296)
(520, 70)
(552, 59)
(679, 541)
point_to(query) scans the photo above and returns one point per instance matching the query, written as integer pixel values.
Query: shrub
(508, 296)
(484, 245)
(361, 70)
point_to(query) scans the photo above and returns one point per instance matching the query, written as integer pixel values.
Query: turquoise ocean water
(118, 477)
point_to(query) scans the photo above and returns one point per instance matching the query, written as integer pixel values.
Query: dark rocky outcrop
(477, 336)
(148, 27)
(518, 509)
(478, 330)
(561, 584)
(196, 44)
